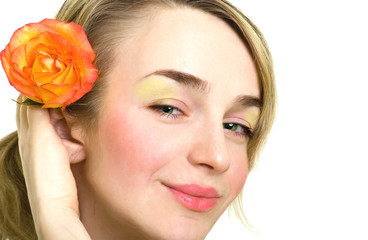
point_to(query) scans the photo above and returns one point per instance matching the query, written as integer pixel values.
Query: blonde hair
(107, 23)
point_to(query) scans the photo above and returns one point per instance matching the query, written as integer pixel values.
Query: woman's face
(171, 148)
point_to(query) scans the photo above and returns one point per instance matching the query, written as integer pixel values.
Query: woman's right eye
(167, 111)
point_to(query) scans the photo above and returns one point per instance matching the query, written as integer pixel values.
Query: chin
(181, 233)
(184, 228)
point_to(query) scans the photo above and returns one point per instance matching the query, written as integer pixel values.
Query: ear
(72, 141)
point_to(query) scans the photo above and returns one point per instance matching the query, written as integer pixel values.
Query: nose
(209, 150)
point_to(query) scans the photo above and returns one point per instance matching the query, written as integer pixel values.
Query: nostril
(206, 165)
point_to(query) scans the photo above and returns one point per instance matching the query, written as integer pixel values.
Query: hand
(51, 187)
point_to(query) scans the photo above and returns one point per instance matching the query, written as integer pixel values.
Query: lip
(195, 197)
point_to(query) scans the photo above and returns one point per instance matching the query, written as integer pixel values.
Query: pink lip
(195, 197)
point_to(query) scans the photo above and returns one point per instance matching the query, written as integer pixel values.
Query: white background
(311, 181)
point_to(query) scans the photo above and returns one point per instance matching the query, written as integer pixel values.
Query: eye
(238, 129)
(167, 110)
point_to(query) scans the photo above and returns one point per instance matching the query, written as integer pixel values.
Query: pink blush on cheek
(238, 181)
(238, 175)
(127, 147)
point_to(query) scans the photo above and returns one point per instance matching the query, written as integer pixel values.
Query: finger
(42, 135)
(44, 149)
(38, 119)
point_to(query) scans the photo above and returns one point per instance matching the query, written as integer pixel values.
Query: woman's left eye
(238, 129)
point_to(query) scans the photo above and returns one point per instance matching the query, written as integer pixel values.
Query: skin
(137, 150)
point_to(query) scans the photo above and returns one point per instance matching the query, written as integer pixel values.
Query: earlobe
(73, 144)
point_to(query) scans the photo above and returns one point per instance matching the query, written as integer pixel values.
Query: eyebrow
(184, 78)
(248, 101)
(203, 86)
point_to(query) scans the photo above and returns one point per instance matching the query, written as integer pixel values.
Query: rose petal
(48, 44)
(19, 76)
(48, 105)
(24, 87)
(45, 95)
(73, 33)
(58, 90)
(18, 57)
(89, 73)
(64, 99)
(5, 55)
(68, 76)
(43, 78)
(26, 33)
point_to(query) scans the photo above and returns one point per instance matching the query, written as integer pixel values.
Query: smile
(195, 197)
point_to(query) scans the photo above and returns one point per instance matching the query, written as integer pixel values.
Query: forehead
(195, 42)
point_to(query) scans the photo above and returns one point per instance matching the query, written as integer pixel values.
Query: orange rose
(50, 62)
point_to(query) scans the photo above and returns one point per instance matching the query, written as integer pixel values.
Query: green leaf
(28, 102)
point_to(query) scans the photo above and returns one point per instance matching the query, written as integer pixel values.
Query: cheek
(128, 149)
(133, 145)
(239, 171)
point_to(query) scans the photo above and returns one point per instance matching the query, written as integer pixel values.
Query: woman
(164, 141)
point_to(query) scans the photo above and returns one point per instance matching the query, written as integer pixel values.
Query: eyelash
(159, 109)
(247, 132)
